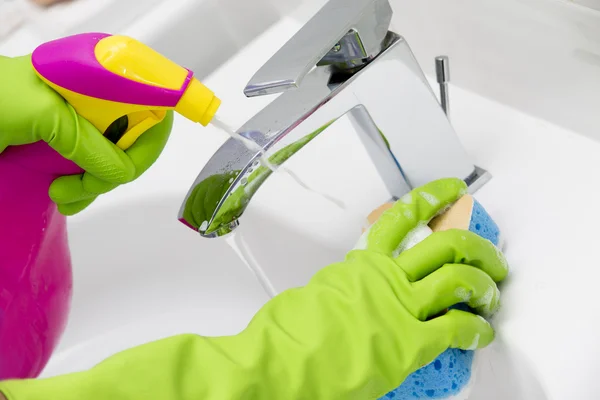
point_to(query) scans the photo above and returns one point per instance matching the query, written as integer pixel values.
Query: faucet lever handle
(345, 33)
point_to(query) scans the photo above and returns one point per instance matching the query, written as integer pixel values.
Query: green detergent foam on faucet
(449, 375)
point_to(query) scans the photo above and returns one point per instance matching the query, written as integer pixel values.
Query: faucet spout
(388, 99)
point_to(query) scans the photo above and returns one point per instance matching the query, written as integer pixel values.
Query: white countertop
(542, 195)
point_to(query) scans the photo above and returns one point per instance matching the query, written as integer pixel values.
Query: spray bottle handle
(120, 85)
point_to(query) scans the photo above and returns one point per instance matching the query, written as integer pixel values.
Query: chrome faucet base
(477, 179)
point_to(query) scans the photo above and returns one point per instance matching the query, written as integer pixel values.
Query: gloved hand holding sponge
(356, 331)
(452, 373)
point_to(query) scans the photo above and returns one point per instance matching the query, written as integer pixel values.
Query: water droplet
(244, 181)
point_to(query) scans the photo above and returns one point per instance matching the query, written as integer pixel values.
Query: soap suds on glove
(431, 199)
(501, 256)
(463, 294)
(475, 343)
(363, 240)
(413, 238)
(406, 199)
(486, 300)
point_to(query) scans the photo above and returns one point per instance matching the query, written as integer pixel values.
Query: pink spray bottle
(123, 88)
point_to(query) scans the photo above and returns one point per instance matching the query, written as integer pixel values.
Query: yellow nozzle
(198, 103)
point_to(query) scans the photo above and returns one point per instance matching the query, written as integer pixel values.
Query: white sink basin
(151, 277)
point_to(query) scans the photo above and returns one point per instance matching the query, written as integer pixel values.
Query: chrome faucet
(344, 61)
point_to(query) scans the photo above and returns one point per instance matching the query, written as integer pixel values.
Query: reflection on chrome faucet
(200, 204)
(344, 61)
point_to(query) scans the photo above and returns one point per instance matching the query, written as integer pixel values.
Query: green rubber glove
(32, 111)
(356, 331)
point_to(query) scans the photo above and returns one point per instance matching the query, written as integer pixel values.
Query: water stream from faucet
(238, 244)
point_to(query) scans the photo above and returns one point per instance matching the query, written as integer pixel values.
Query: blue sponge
(450, 373)
(483, 225)
(444, 377)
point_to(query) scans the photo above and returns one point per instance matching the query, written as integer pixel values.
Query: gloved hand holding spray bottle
(79, 117)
